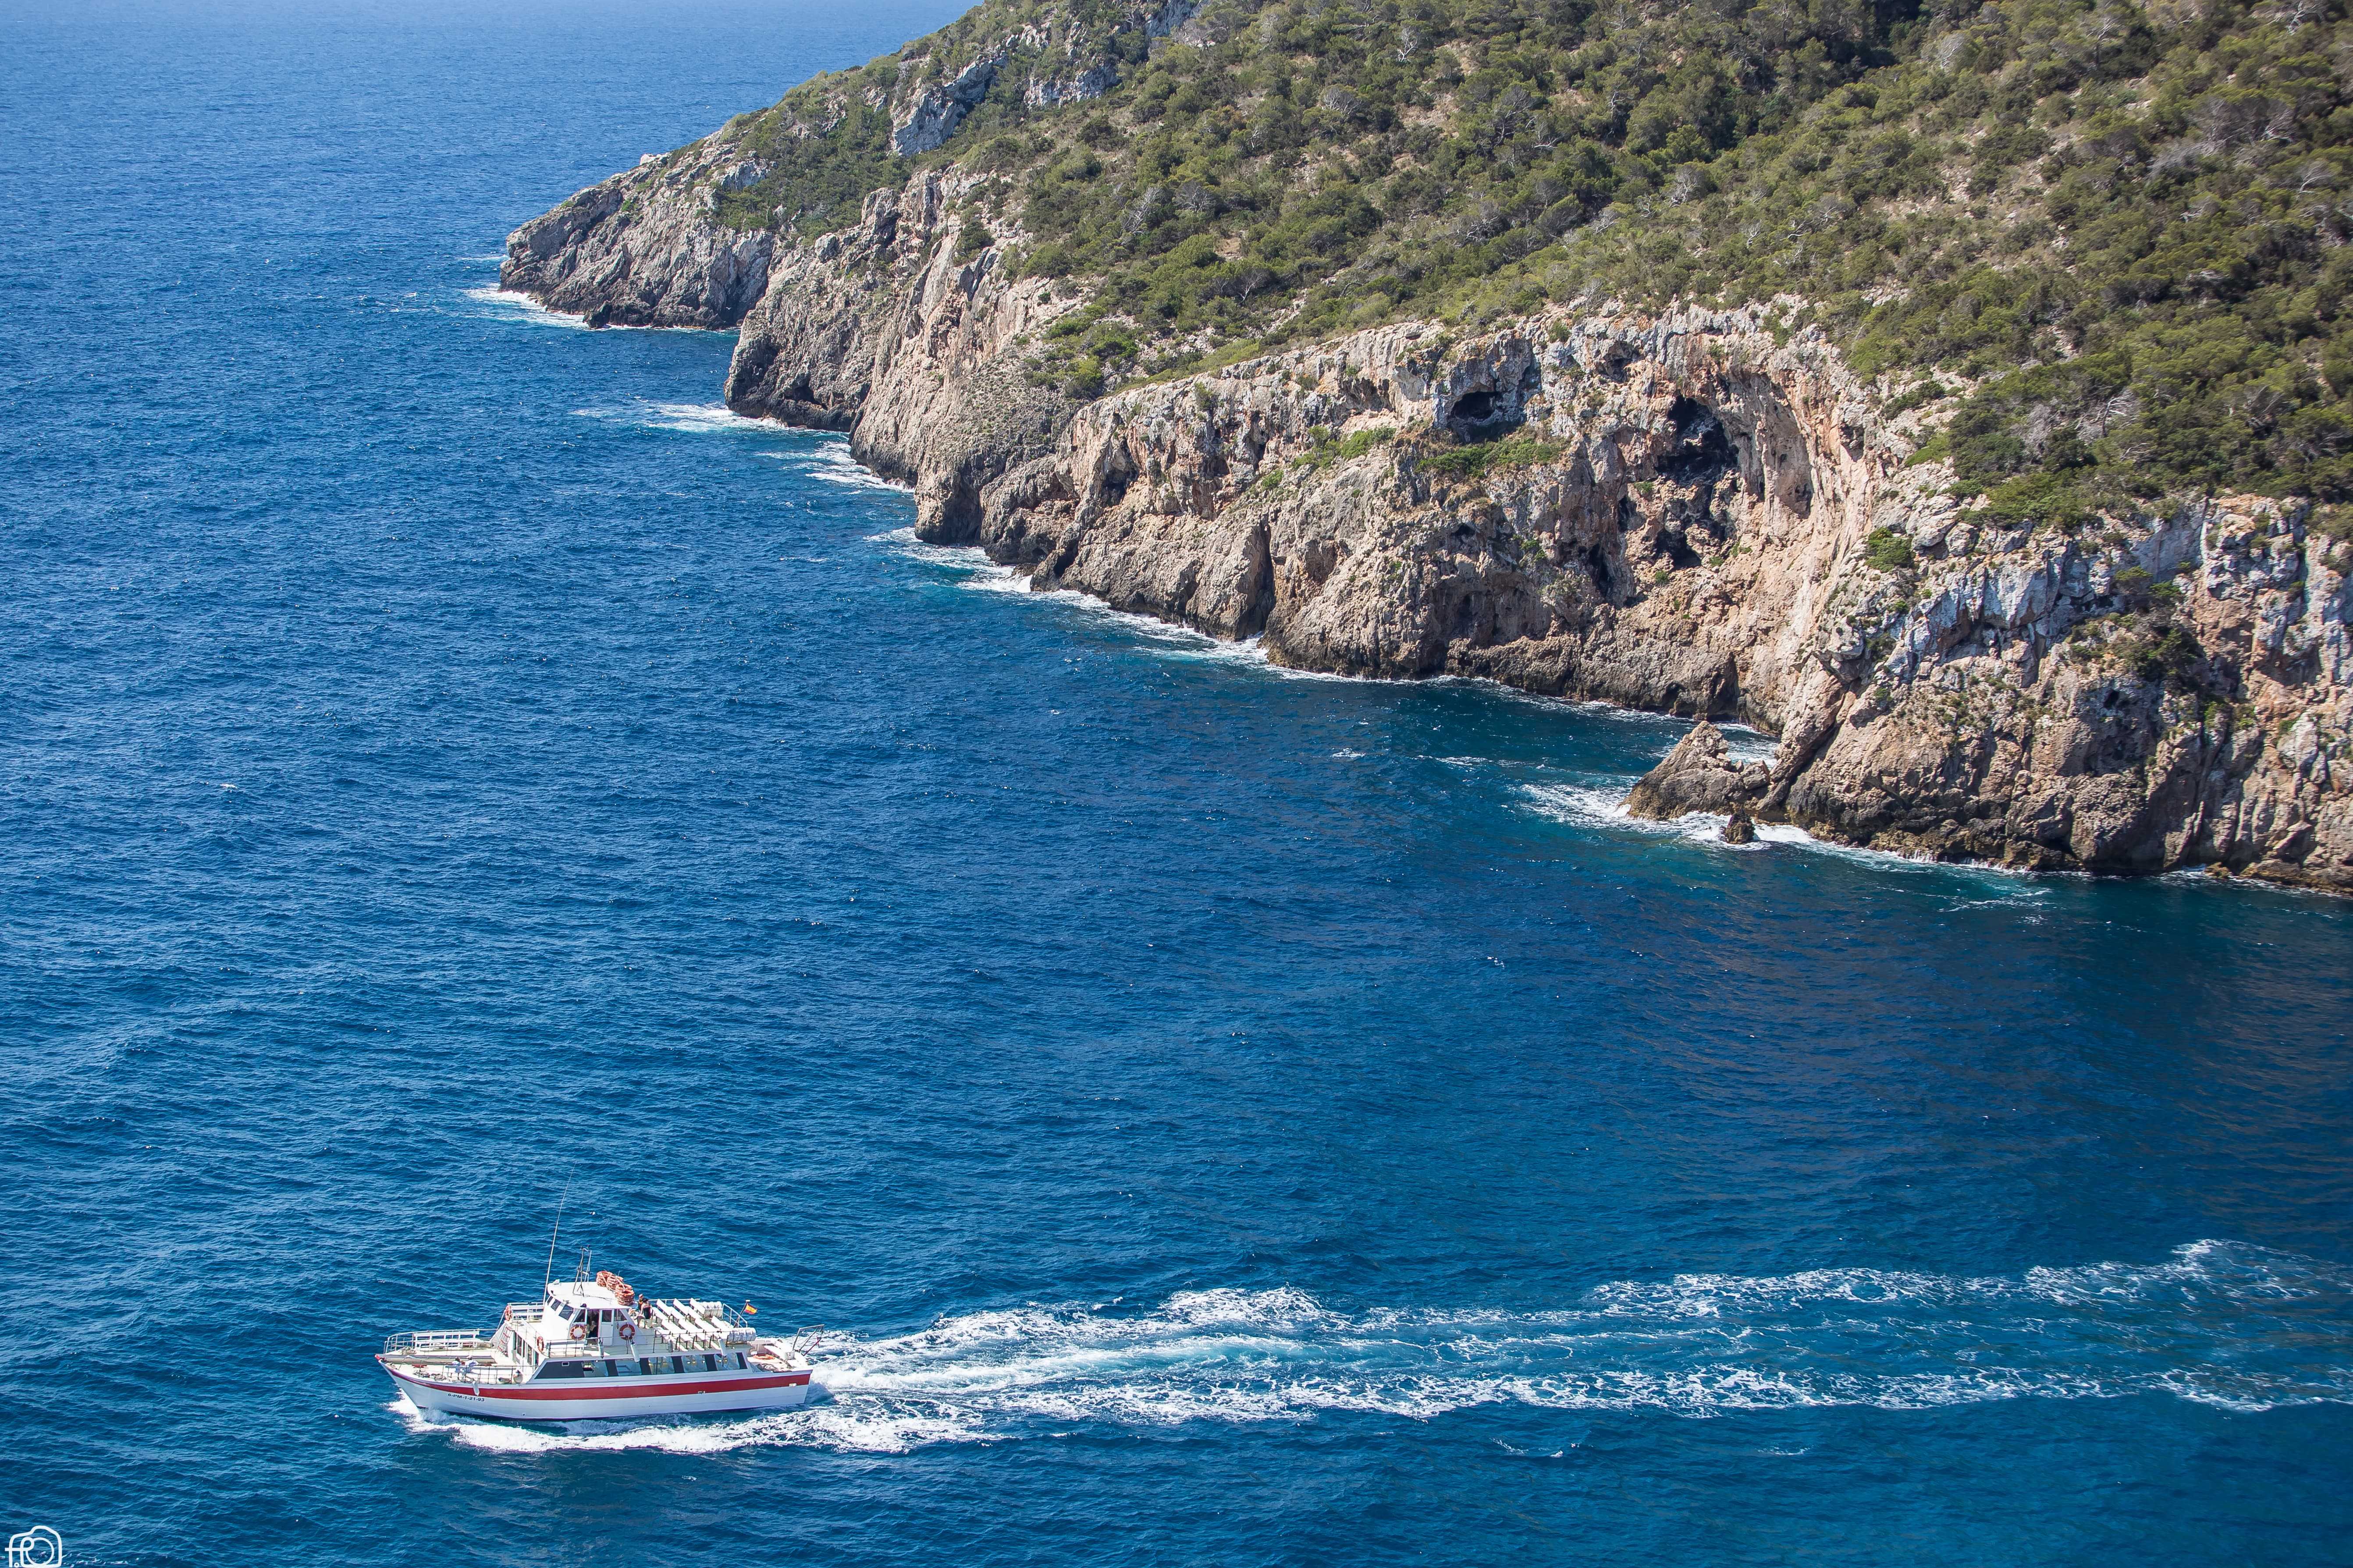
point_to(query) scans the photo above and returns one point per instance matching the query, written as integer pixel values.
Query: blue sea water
(1224, 1117)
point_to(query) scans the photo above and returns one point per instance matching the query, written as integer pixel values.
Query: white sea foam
(974, 564)
(692, 419)
(839, 1427)
(513, 306)
(2217, 1322)
(1166, 639)
(1604, 805)
(1743, 745)
(831, 463)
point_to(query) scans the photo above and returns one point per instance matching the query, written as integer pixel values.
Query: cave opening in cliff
(1701, 452)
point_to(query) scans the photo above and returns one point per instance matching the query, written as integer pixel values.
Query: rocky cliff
(1678, 512)
(1696, 511)
(889, 331)
(646, 248)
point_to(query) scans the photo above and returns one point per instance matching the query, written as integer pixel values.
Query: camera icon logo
(39, 1547)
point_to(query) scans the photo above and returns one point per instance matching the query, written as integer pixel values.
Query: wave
(514, 305)
(832, 464)
(1167, 639)
(693, 418)
(511, 305)
(2222, 1323)
(1604, 805)
(968, 561)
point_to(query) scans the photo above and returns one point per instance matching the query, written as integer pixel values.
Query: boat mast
(550, 1278)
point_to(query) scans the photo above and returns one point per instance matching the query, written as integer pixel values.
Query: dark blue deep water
(1225, 1118)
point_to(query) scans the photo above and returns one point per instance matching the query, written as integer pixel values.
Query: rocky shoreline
(1693, 512)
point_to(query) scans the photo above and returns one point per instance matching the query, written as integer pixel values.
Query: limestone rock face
(886, 332)
(645, 248)
(1682, 511)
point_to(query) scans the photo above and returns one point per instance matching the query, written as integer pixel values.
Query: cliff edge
(1720, 510)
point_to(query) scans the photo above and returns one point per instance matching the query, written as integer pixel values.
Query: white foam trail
(516, 305)
(700, 418)
(826, 1425)
(692, 419)
(1743, 745)
(1173, 641)
(974, 564)
(1604, 805)
(2218, 1322)
(832, 464)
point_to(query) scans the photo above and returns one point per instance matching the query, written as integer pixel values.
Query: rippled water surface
(1224, 1116)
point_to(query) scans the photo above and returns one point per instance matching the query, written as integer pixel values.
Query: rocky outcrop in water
(1687, 511)
(646, 248)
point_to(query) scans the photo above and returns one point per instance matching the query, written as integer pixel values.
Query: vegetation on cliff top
(2121, 227)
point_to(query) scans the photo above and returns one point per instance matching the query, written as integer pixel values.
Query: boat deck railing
(434, 1341)
(675, 1326)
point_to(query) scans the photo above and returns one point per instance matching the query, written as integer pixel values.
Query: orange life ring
(579, 1331)
(629, 1331)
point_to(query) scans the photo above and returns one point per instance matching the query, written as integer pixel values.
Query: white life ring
(579, 1331)
(629, 1331)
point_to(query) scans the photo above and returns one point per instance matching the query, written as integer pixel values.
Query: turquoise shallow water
(1225, 1116)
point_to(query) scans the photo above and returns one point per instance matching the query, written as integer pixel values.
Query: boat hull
(564, 1402)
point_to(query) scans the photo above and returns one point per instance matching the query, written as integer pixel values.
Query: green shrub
(1887, 550)
(2146, 268)
(1485, 458)
(2037, 500)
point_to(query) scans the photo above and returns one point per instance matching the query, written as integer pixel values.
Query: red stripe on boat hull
(634, 1391)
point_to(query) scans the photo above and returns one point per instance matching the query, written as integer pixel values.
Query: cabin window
(678, 1363)
(645, 1366)
(710, 1363)
(739, 1358)
(565, 1369)
(612, 1369)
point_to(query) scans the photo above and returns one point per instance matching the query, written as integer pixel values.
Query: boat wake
(2219, 1323)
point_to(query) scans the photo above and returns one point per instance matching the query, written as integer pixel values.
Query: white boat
(595, 1349)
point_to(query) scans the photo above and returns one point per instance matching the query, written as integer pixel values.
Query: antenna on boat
(544, 1284)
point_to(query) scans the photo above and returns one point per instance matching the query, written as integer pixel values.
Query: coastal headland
(1332, 326)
